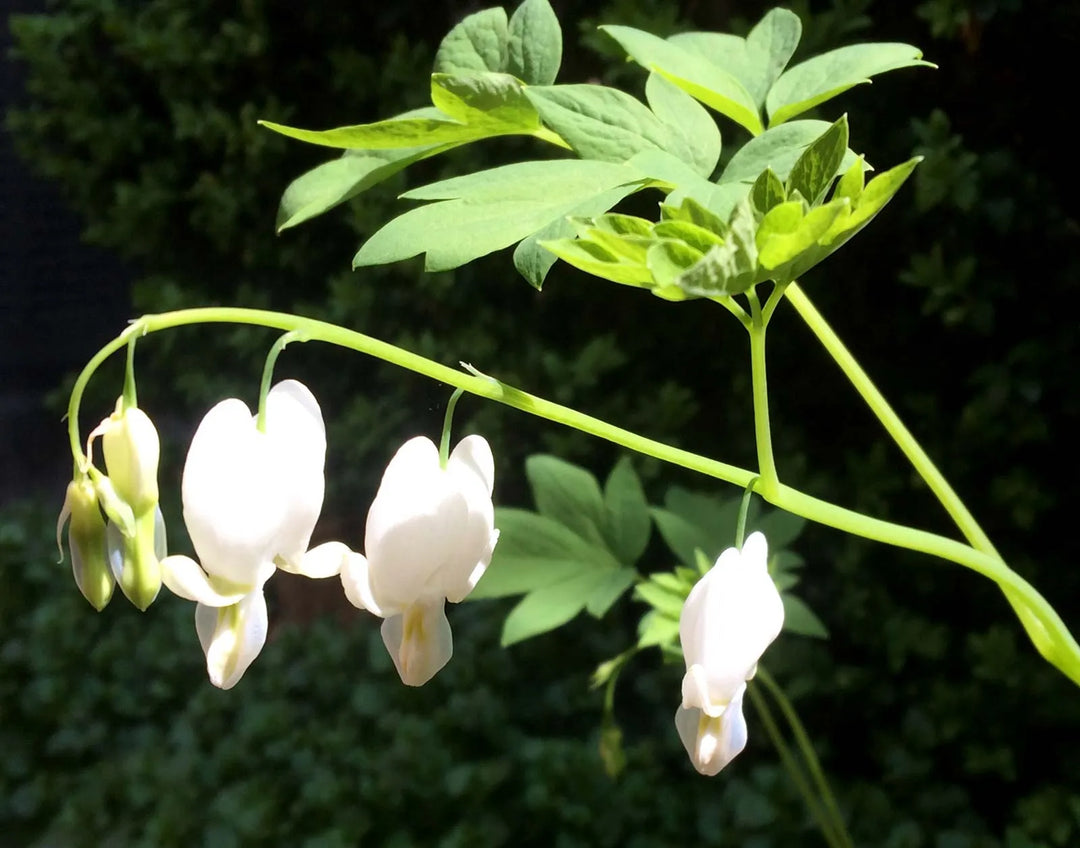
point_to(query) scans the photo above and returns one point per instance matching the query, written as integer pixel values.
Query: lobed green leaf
(479, 43)
(534, 45)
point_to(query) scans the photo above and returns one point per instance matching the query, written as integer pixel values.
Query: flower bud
(131, 450)
(136, 560)
(86, 541)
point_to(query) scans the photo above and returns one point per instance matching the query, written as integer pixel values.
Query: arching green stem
(1048, 631)
(131, 398)
(268, 372)
(448, 422)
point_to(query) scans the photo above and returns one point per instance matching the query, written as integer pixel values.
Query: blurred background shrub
(939, 723)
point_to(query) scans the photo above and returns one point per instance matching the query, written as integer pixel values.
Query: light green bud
(86, 541)
(132, 450)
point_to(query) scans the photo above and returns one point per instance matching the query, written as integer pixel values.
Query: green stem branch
(1056, 643)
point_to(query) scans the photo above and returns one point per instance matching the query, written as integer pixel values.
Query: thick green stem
(762, 430)
(1055, 642)
(907, 443)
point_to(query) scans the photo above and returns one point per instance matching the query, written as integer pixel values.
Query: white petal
(161, 542)
(356, 580)
(232, 637)
(712, 742)
(234, 503)
(325, 560)
(473, 455)
(419, 641)
(183, 577)
(294, 426)
(729, 619)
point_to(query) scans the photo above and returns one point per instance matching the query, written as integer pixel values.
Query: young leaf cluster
(495, 76)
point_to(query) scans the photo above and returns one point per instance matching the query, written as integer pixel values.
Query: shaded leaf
(567, 493)
(801, 620)
(608, 591)
(549, 607)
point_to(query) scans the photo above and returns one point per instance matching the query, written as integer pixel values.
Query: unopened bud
(132, 449)
(86, 541)
(136, 560)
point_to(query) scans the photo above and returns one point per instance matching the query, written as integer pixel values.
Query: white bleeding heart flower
(730, 617)
(251, 499)
(429, 537)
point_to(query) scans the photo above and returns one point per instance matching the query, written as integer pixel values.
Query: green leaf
(801, 620)
(667, 602)
(768, 191)
(606, 592)
(786, 233)
(630, 249)
(549, 607)
(599, 122)
(479, 43)
(781, 529)
(535, 43)
(715, 516)
(514, 575)
(824, 77)
(393, 133)
(850, 185)
(692, 212)
(657, 629)
(668, 260)
(694, 74)
(490, 210)
(332, 183)
(524, 534)
(533, 261)
(685, 182)
(673, 582)
(777, 148)
(567, 493)
(732, 267)
(681, 535)
(598, 260)
(699, 238)
(755, 61)
(489, 100)
(623, 225)
(817, 165)
(686, 120)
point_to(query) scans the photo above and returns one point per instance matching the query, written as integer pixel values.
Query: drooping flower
(251, 499)
(730, 617)
(86, 542)
(429, 537)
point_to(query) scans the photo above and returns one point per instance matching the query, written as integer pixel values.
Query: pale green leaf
(785, 233)
(609, 590)
(657, 629)
(487, 99)
(684, 182)
(479, 43)
(694, 74)
(387, 135)
(567, 493)
(692, 212)
(777, 148)
(332, 183)
(673, 582)
(699, 238)
(490, 210)
(623, 225)
(668, 260)
(801, 620)
(667, 602)
(534, 261)
(730, 268)
(850, 185)
(755, 61)
(817, 165)
(599, 122)
(599, 261)
(687, 121)
(630, 249)
(535, 43)
(549, 607)
(823, 77)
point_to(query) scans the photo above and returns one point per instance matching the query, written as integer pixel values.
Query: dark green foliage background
(940, 725)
